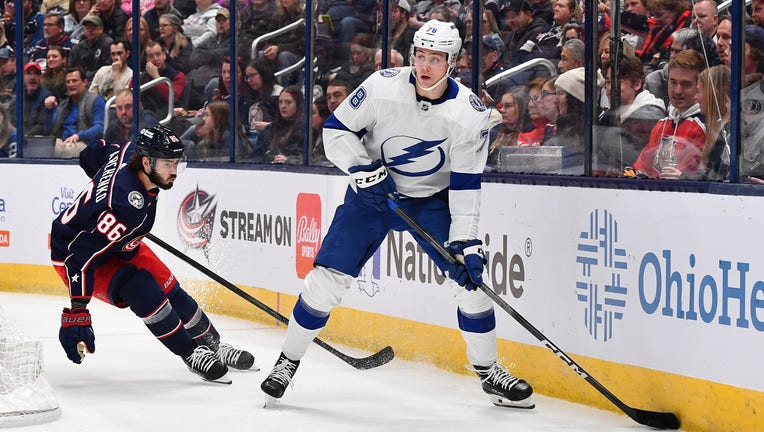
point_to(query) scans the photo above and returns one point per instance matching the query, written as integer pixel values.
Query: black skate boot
(236, 358)
(504, 389)
(280, 377)
(205, 363)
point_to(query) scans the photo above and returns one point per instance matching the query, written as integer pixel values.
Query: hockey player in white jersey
(416, 133)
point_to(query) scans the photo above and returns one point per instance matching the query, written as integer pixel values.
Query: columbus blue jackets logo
(196, 219)
(135, 199)
(413, 157)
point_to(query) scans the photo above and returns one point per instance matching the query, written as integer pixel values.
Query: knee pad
(324, 288)
(142, 293)
(471, 302)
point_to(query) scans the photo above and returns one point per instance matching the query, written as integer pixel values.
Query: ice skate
(502, 388)
(280, 377)
(205, 363)
(236, 358)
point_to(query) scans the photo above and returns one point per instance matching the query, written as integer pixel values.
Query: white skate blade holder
(526, 403)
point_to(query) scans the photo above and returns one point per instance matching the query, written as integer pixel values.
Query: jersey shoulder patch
(476, 103)
(135, 199)
(389, 73)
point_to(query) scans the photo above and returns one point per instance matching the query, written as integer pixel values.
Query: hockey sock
(195, 321)
(479, 331)
(147, 300)
(305, 324)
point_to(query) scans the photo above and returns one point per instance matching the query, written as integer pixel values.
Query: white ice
(132, 383)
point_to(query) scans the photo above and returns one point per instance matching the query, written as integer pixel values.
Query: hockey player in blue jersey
(97, 249)
(414, 132)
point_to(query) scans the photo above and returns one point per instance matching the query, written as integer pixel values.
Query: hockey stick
(659, 420)
(375, 360)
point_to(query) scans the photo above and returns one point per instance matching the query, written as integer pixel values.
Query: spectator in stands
(570, 31)
(78, 119)
(186, 7)
(53, 31)
(625, 130)
(109, 80)
(572, 56)
(7, 72)
(543, 9)
(288, 48)
(724, 40)
(207, 58)
(638, 7)
(211, 141)
(675, 142)
(656, 82)
(514, 120)
(336, 92)
(157, 98)
(349, 18)
(359, 66)
(402, 33)
(548, 108)
(259, 99)
(757, 12)
(752, 106)
(705, 17)
(524, 28)
(548, 44)
(54, 78)
(7, 135)
(53, 6)
(395, 59)
(284, 136)
(318, 117)
(669, 16)
(35, 114)
(113, 18)
(255, 21)
(178, 46)
(120, 131)
(33, 25)
(493, 49)
(535, 135)
(94, 50)
(144, 37)
(161, 7)
(200, 25)
(713, 98)
(568, 133)
(78, 9)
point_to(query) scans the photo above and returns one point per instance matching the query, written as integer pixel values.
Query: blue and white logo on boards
(601, 285)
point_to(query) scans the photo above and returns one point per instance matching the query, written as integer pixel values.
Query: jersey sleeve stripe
(465, 181)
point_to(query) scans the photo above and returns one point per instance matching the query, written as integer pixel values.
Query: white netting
(26, 398)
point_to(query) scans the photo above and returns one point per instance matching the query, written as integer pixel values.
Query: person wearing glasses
(94, 49)
(73, 25)
(161, 7)
(98, 251)
(53, 29)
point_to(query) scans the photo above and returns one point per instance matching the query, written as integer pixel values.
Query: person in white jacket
(202, 26)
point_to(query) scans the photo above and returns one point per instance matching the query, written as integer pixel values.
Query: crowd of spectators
(666, 118)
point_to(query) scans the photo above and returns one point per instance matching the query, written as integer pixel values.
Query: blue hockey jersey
(109, 217)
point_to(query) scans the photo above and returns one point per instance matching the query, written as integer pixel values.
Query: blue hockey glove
(76, 327)
(468, 271)
(373, 183)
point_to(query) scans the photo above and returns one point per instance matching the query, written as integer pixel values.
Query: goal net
(26, 398)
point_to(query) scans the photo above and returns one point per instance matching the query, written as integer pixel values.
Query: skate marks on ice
(133, 383)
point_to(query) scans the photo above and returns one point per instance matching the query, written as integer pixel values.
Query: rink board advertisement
(632, 277)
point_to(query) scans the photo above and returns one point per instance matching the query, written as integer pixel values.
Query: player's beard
(161, 183)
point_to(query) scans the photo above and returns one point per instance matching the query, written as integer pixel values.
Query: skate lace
(228, 354)
(497, 375)
(283, 372)
(202, 358)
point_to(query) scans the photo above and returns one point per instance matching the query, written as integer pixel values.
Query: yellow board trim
(702, 406)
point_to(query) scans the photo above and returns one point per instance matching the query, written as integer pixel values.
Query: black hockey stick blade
(655, 419)
(375, 360)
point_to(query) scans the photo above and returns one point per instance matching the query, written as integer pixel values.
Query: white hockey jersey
(427, 146)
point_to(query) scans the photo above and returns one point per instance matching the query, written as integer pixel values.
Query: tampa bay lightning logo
(389, 73)
(477, 103)
(413, 157)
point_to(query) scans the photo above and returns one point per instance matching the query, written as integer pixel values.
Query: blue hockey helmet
(159, 142)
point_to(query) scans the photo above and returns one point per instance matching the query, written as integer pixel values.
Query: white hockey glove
(373, 183)
(470, 257)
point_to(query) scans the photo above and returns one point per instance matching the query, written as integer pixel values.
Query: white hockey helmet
(438, 36)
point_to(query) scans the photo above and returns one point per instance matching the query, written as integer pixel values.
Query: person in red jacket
(673, 150)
